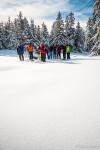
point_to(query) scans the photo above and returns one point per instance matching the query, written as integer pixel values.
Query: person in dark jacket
(20, 52)
(54, 52)
(64, 52)
(59, 52)
(51, 52)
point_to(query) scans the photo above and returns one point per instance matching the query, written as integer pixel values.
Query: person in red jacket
(42, 51)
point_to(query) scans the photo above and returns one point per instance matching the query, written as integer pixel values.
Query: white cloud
(33, 9)
(37, 9)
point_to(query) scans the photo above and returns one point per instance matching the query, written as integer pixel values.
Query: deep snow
(49, 106)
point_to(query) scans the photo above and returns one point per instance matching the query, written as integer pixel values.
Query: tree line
(63, 32)
(20, 30)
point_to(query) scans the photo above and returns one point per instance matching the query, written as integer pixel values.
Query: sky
(46, 10)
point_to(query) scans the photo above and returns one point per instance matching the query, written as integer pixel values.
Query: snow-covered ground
(49, 106)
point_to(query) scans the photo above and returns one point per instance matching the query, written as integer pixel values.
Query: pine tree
(89, 34)
(79, 38)
(37, 36)
(44, 34)
(51, 36)
(6, 33)
(69, 29)
(71, 20)
(1, 35)
(13, 38)
(96, 38)
(57, 34)
(26, 30)
(38, 33)
(19, 27)
(9, 35)
(32, 28)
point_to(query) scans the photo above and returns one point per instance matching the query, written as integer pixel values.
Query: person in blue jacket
(20, 52)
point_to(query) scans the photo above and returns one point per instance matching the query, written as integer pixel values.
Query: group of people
(53, 52)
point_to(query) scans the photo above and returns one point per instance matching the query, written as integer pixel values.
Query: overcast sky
(46, 10)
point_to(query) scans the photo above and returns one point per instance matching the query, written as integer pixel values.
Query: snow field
(49, 106)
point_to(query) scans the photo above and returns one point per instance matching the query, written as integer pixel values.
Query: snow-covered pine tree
(26, 30)
(96, 38)
(9, 35)
(89, 34)
(19, 23)
(13, 38)
(69, 29)
(1, 36)
(57, 34)
(32, 28)
(37, 36)
(6, 33)
(38, 33)
(44, 34)
(79, 38)
(52, 34)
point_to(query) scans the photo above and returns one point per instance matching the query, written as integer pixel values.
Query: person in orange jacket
(30, 51)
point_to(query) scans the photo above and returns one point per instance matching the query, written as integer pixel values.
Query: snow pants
(64, 54)
(43, 57)
(31, 55)
(54, 54)
(68, 55)
(58, 55)
(21, 57)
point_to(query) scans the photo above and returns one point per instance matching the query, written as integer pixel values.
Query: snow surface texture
(49, 106)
